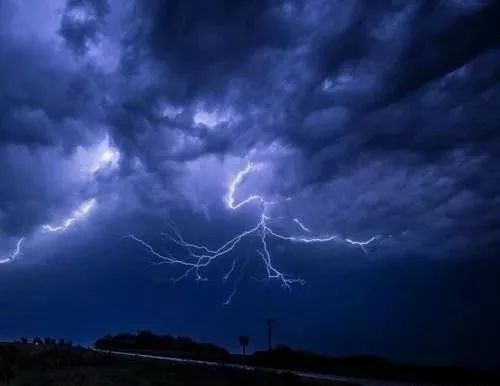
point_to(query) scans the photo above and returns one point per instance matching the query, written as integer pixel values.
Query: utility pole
(270, 323)
(244, 340)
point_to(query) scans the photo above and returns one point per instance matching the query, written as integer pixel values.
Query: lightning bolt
(82, 210)
(302, 226)
(14, 254)
(107, 158)
(77, 214)
(236, 281)
(362, 244)
(200, 256)
(231, 270)
(230, 200)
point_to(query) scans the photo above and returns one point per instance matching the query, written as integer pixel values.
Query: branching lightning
(199, 257)
(362, 244)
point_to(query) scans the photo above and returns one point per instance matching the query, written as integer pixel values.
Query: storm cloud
(369, 119)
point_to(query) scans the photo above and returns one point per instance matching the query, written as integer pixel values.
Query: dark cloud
(206, 43)
(42, 101)
(369, 119)
(377, 85)
(439, 47)
(82, 22)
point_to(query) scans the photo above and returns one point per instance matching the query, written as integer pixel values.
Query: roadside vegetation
(54, 365)
(286, 358)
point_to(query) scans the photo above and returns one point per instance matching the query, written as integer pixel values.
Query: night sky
(369, 131)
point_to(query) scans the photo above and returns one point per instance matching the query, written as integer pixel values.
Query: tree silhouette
(49, 341)
(37, 341)
(145, 340)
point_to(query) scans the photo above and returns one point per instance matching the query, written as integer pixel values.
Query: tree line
(147, 342)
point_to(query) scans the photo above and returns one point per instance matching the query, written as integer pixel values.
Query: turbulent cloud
(349, 89)
(371, 118)
(81, 23)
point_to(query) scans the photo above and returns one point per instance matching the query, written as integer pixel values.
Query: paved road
(329, 377)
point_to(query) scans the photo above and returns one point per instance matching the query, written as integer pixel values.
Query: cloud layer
(372, 119)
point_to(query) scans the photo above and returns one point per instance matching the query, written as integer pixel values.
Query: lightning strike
(230, 200)
(236, 282)
(302, 226)
(228, 273)
(82, 210)
(199, 256)
(362, 244)
(14, 254)
(107, 157)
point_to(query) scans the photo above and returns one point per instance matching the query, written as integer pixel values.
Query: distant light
(80, 15)
(210, 118)
(106, 157)
(171, 112)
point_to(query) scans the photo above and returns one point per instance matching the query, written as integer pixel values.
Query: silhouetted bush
(37, 341)
(365, 366)
(148, 342)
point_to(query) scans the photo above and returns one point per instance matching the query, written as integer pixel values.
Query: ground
(64, 366)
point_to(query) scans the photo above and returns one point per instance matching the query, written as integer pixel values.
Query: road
(326, 377)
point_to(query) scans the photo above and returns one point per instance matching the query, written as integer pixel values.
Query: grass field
(64, 366)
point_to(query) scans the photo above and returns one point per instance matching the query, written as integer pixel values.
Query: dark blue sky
(363, 121)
